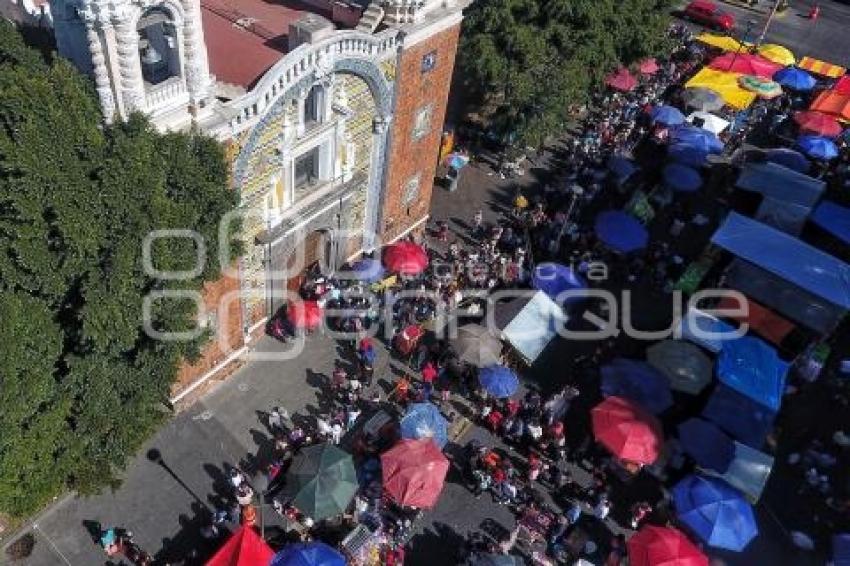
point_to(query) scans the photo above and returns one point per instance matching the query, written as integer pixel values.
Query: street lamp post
(769, 20)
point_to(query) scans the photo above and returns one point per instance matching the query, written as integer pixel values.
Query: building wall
(223, 316)
(415, 156)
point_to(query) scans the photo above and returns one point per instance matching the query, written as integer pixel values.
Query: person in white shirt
(602, 508)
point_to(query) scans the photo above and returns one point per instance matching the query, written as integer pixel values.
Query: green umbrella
(322, 481)
(687, 367)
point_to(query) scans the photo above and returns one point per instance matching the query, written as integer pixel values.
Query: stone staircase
(371, 18)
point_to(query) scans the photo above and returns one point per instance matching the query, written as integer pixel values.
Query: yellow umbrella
(723, 42)
(777, 54)
(725, 84)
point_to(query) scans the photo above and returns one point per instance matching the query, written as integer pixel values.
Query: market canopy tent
(751, 367)
(663, 546)
(833, 103)
(762, 320)
(697, 137)
(740, 416)
(716, 512)
(833, 218)
(638, 382)
(821, 67)
(686, 367)
(704, 329)
(413, 473)
(243, 548)
(817, 147)
(749, 471)
(789, 158)
(707, 121)
(554, 279)
(322, 481)
(627, 431)
(312, 553)
(425, 421)
(784, 256)
(528, 325)
(788, 195)
(725, 84)
(709, 446)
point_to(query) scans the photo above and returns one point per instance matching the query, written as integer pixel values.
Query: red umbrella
(405, 258)
(819, 124)
(663, 546)
(621, 80)
(746, 64)
(414, 472)
(842, 86)
(244, 548)
(648, 66)
(628, 431)
(304, 314)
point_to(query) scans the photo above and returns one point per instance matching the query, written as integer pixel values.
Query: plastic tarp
(787, 257)
(724, 84)
(781, 183)
(805, 308)
(749, 471)
(704, 329)
(708, 121)
(534, 326)
(763, 321)
(789, 158)
(750, 366)
(833, 218)
(709, 446)
(833, 103)
(637, 381)
(790, 218)
(744, 419)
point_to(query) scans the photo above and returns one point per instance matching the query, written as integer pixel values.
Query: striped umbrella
(763, 87)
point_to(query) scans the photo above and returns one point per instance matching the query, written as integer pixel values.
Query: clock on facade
(429, 61)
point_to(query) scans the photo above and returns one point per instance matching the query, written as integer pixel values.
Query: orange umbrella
(414, 472)
(304, 314)
(812, 122)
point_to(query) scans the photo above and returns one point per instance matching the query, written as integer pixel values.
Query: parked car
(709, 15)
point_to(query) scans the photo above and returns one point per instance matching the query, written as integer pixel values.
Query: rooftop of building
(247, 37)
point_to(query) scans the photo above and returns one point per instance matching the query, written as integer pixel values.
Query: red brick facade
(412, 155)
(221, 301)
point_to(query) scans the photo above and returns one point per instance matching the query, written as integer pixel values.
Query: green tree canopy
(81, 383)
(525, 62)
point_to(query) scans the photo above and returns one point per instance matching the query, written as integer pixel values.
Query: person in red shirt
(429, 374)
(494, 421)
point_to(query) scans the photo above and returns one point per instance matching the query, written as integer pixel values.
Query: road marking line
(52, 544)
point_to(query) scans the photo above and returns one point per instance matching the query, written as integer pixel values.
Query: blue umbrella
(620, 231)
(637, 381)
(715, 511)
(554, 279)
(790, 159)
(818, 147)
(622, 167)
(795, 79)
(424, 420)
(682, 178)
(308, 554)
(498, 381)
(698, 138)
(687, 154)
(457, 160)
(709, 446)
(667, 116)
(368, 270)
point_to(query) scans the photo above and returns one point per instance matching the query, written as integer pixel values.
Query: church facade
(331, 112)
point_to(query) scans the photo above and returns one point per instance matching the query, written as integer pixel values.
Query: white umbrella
(708, 121)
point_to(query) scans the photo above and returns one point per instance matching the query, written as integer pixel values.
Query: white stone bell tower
(144, 55)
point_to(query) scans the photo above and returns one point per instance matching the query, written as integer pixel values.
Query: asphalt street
(826, 38)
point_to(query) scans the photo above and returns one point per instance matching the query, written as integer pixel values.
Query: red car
(709, 15)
